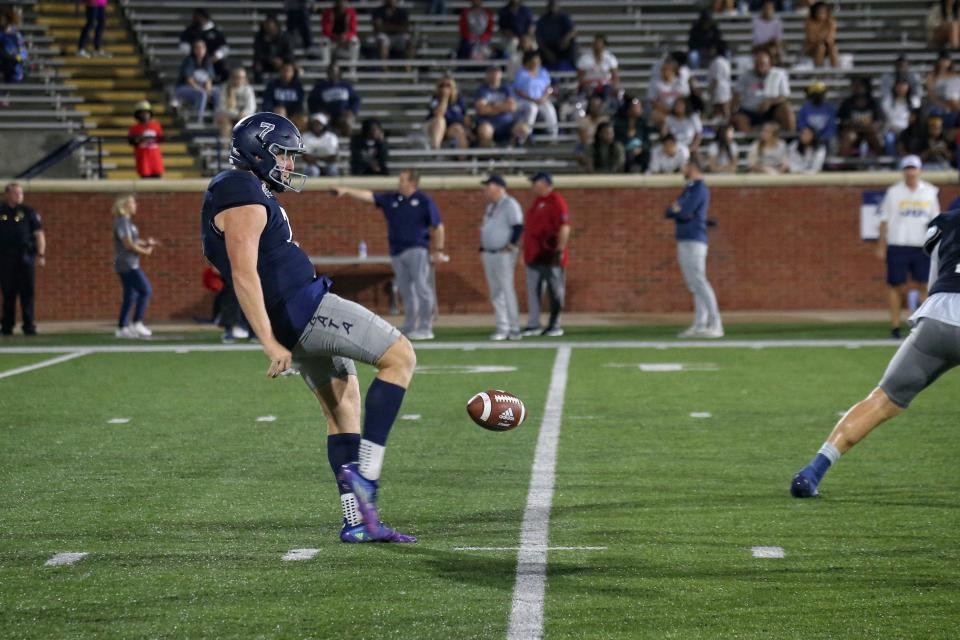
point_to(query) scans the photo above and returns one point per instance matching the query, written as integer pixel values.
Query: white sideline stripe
(768, 552)
(701, 414)
(526, 614)
(44, 363)
(410, 416)
(266, 418)
(502, 346)
(539, 549)
(62, 559)
(118, 420)
(299, 554)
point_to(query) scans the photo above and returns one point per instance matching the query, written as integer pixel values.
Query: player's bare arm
(241, 228)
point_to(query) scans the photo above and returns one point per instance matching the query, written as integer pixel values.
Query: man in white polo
(499, 237)
(905, 211)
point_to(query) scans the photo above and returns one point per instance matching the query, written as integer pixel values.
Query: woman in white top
(897, 106)
(943, 90)
(806, 154)
(597, 68)
(684, 125)
(665, 88)
(237, 102)
(769, 153)
(723, 154)
(720, 80)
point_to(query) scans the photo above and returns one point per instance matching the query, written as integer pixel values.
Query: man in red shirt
(339, 24)
(145, 136)
(546, 232)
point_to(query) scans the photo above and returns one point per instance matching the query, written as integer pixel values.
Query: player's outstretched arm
(242, 227)
(363, 195)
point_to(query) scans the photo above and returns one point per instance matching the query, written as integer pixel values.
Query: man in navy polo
(689, 211)
(416, 236)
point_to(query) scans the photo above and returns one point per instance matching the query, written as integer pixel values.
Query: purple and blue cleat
(359, 534)
(371, 529)
(804, 484)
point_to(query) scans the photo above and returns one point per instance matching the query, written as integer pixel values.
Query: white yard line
(472, 346)
(44, 363)
(767, 552)
(295, 555)
(63, 559)
(526, 614)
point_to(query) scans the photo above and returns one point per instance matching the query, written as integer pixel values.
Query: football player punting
(247, 236)
(932, 348)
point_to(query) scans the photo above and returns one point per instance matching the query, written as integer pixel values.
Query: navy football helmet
(263, 143)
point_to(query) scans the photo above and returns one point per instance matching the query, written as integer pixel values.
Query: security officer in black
(22, 247)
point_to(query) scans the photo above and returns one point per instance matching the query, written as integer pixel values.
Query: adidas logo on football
(507, 415)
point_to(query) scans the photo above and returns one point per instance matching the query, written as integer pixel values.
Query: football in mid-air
(497, 410)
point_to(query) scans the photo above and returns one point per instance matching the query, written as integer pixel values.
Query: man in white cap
(321, 146)
(906, 209)
(499, 243)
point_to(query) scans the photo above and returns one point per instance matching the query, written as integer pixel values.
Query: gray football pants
(499, 268)
(412, 270)
(540, 276)
(692, 256)
(931, 349)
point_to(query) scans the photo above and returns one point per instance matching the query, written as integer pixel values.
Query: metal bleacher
(871, 35)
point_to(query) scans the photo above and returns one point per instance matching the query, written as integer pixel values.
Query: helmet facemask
(279, 174)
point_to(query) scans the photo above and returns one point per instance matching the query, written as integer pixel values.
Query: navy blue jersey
(947, 253)
(291, 289)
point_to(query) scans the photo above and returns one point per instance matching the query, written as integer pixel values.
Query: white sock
(371, 459)
(350, 513)
(830, 451)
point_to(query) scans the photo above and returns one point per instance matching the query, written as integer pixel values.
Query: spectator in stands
(128, 248)
(720, 82)
(13, 48)
(515, 20)
(238, 100)
(806, 154)
(605, 154)
(336, 98)
(938, 151)
(534, 89)
(587, 123)
(391, 31)
(339, 24)
(630, 128)
(665, 87)
(724, 6)
(195, 85)
(597, 70)
(818, 114)
(943, 90)
(203, 28)
(271, 48)
(723, 154)
(368, 150)
(145, 136)
(763, 95)
(96, 20)
(703, 38)
(684, 125)
(668, 156)
(820, 35)
(527, 43)
(897, 105)
(557, 39)
(284, 95)
(943, 25)
(447, 115)
(496, 107)
(901, 69)
(476, 29)
(298, 21)
(860, 121)
(768, 32)
(913, 139)
(768, 154)
(320, 148)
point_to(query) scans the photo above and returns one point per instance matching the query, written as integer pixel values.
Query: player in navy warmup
(931, 349)
(247, 236)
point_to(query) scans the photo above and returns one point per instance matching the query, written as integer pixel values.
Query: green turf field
(187, 509)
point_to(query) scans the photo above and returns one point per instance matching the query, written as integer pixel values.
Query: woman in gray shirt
(127, 251)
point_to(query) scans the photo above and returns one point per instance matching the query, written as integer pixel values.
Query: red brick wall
(776, 248)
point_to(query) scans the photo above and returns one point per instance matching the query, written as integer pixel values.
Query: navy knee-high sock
(342, 448)
(381, 408)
